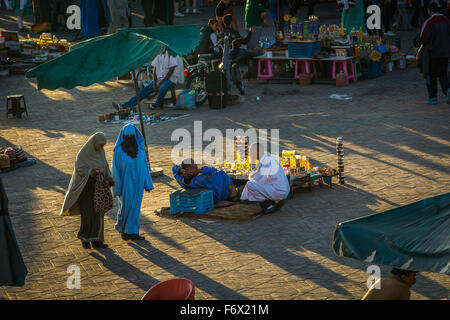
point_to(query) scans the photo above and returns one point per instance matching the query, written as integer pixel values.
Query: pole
(140, 118)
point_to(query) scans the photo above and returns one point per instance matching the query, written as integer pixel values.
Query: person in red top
(434, 37)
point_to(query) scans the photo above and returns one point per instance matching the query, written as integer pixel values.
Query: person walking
(12, 267)
(132, 176)
(23, 8)
(434, 37)
(79, 199)
(147, 6)
(119, 18)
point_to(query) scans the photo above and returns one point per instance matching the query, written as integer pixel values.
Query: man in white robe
(268, 183)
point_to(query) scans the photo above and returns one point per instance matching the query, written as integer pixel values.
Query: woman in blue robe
(189, 176)
(131, 175)
(89, 18)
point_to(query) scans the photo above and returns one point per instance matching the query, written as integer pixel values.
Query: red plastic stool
(267, 65)
(342, 65)
(305, 68)
(173, 289)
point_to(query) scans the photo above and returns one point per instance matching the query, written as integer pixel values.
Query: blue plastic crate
(371, 69)
(198, 201)
(302, 50)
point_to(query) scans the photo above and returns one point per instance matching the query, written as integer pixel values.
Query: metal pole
(140, 118)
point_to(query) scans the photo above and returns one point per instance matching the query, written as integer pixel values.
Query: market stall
(314, 53)
(19, 56)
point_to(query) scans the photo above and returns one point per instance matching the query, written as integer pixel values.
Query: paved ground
(397, 151)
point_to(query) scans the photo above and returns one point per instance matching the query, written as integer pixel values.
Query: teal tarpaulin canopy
(412, 237)
(102, 58)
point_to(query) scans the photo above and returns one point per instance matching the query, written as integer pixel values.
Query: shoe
(99, 245)
(448, 96)
(179, 14)
(432, 100)
(187, 11)
(135, 237)
(124, 236)
(86, 245)
(195, 11)
(153, 107)
(116, 106)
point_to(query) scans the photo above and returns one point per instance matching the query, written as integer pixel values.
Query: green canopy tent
(102, 58)
(414, 237)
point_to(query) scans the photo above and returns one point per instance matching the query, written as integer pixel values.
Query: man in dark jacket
(435, 37)
(208, 37)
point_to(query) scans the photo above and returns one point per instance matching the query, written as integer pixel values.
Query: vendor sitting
(268, 184)
(189, 176)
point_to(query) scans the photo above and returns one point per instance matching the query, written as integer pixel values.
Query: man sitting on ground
(165, 78)
(397, 287)
(268, 184)
(189, 176)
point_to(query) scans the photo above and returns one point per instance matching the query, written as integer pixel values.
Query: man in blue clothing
(190, 176)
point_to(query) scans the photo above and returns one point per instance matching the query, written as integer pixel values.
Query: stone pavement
(397, 151)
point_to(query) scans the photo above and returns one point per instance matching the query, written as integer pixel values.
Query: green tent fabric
(412, 237)
(102, 58)
(354, 18)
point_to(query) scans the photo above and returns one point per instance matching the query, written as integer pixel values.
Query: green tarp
(105, 57)
(412, 237)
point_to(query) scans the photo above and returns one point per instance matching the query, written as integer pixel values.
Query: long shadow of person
(123, 269)
(179, 269)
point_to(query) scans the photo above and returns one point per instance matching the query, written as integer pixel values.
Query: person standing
(79, 199)
(225, 7)
(434, 37)
(147, 6)
(387, 13)
(193, 8)
(164, 11)
(132, 176)
(403, 20)
(23, 8)
(397, 287)
(89, 18)
(119, 18)
(12, 267)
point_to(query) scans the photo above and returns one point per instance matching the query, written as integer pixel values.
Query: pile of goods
(45, 48)
(129, 116)
(9, 157)
(325, 172)
(19, 56)
(294, 29)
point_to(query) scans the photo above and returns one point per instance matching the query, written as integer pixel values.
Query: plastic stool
(305, 68)
(267, 65)
(16, 108)
(342, 65)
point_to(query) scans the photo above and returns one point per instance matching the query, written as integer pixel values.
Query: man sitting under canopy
(190, 176)
(268, 183)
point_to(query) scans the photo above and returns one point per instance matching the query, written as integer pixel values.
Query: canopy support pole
(140, 118)
(156, 171)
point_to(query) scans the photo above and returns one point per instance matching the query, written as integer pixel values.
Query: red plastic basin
(173, 289)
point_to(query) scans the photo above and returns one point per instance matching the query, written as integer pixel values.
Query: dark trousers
(438, 70)
(387, 15)
(147, 5)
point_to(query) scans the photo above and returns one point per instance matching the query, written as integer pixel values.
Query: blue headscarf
(127, 130)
